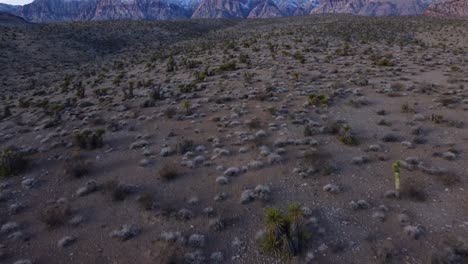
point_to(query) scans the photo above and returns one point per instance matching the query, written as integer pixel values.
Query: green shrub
(230, 66)
(88, 139)
(319, 100)
(12, 162)
(168, 172)
(285, 234)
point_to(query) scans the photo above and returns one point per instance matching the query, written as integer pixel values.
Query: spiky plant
(186, 104)
(396, 171)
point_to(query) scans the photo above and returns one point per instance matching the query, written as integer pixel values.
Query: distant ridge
(95, 10)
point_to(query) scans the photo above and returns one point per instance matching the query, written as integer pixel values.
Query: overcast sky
(16, 2)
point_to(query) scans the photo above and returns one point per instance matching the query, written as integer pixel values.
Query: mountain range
(97, 10)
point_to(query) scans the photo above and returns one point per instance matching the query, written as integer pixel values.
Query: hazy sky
(15, 2)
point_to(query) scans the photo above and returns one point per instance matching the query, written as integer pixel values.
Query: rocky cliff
(372, 7)
(448, 8)
(83, 10)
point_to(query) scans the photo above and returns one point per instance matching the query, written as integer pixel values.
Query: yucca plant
(396, 172)
(186, 104)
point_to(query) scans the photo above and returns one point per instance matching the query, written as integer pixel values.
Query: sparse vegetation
(12, 162)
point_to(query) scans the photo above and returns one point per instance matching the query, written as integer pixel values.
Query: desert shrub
(55, 215)
(284, 235)
(168, 172)
(88, 139)
(347, 137)
(79, 90)
(244, 58)
(299, 57)
(12, 162)
(76, 166)
(185, 146)
(255, 123)
(319, 161)
(170, 112)
(156, 94)
(118, 191)
(170, 64)
(322, 100)
(187, 87)
(230, 66)
(146, 201)
(187, 106)
(248, 76)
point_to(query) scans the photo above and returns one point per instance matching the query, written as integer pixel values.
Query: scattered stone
(414, 232)
(217, 257)
(247, 196)
(222, 180)
(331, 188)
(196, 240)
(125, 232)
(232, 171)
(139, 144)
(360, 204)
(66, 241)
(91, 186)
(9, 227)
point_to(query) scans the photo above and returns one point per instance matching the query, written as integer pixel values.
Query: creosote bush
(76, 166)
(168, 172)
(347, 137)
(88, 139)
(12, 162)
(55, 215)
(319, 100)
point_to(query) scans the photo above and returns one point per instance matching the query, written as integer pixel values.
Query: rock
(125, 232)
(28, 183)
(375, 148)
(232, 171)
(196, 240)
(449, 155)
(331, 188)
(379, 215)
(419, 117)
(217, 257)
(403, 219)
(274, 158)
(165, 152)
(139, 144)
(144, 163)
(360, 204)
(23, 261)
(19, 236)
(262, 192)
(91, 186)
(255, 164)
(309, 257)
(360, 160)
(414, 232)
(247, 196)
(184, 214)
(195, 257)
(390, 194)
(9, 227)
(76, 220)
(222, 180)
(176, 237)
(216, 224)
(66, 241)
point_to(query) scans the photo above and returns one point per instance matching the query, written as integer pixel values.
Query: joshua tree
(186, 104)
(396, 171)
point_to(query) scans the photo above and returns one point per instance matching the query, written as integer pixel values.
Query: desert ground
(235, 141)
